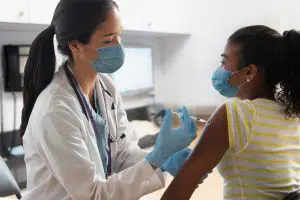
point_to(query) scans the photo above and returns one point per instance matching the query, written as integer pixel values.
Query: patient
(254, 139)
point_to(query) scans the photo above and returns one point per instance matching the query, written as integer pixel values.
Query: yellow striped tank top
(263, 161)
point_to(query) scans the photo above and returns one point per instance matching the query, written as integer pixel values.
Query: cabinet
(170, 16)
(289, 16)
(167, 16)
(134, 14)
(27, 11)
(41, 11)
(14, 11)
(156, 16)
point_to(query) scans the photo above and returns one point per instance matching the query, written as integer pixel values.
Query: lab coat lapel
(106, 103)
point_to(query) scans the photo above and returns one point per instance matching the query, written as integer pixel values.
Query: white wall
(185, 76)
(290, 15)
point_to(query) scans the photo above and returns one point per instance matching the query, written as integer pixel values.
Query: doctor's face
(105, 35)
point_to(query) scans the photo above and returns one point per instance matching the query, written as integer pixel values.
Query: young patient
(254, 139)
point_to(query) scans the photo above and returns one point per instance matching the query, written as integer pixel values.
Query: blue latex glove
(174, 163)
(169, 140)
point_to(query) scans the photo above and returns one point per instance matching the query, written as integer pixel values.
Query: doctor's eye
(107, 42)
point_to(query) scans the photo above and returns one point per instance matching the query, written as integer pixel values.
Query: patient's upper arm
(210, 149)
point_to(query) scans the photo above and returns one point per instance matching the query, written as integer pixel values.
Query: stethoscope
(87, 112)
(112, 139)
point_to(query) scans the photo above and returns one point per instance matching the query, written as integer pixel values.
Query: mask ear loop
(91, 48)
(247, 79)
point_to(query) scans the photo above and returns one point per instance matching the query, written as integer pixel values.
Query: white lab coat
(61, 154)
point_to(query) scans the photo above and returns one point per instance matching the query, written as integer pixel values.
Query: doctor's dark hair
(72, 20)
(278, 55)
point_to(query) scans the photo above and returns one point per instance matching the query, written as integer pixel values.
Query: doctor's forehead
(111, 26)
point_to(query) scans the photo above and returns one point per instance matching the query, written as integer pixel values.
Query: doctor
(74, 127)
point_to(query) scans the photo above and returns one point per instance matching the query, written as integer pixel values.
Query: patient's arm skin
(210, 149)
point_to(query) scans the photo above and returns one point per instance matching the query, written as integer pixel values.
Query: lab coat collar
(100, 85)
(104, 97)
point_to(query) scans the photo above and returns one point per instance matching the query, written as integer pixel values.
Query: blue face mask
(220, 80)
(110, 59)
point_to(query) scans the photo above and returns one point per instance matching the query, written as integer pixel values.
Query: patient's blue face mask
(220, 80)
(110, 59)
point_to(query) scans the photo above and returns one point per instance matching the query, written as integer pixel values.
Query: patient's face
(244, 77)
(230, 61)
(230, 57)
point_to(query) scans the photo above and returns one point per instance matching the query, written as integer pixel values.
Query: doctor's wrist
(153, 167)
(151, 163)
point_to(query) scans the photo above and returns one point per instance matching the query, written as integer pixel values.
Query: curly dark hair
(279, 56)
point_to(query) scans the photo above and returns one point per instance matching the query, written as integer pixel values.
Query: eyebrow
(110, 34)
(224, 55)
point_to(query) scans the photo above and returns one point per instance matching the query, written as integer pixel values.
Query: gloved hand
(170, 140)
(174, 163)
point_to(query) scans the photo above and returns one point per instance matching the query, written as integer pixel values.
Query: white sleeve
(128, 152)
(67, 156)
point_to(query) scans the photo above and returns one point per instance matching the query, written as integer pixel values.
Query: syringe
(197, 119)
